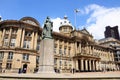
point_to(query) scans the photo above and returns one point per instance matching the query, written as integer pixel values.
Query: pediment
(85, 31)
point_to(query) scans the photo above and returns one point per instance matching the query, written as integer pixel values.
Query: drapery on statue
(47, 29)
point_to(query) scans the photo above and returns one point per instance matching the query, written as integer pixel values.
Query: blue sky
(56, 9)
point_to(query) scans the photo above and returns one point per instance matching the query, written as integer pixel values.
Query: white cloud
(100, 17)
(56, 23)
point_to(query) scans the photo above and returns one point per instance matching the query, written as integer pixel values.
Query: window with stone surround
(6, 41)
(65, 29)
(69, 51)
(26, 57)
(8, 65)
(60, 50)
(12, 44)
(55, 61)
(37, 59)
(38, 46)
(65, 51)
(55, 48)
(27, 33)
(14, 31)
(0, 65)
(1, 55)
(26, 44)
(10, 55)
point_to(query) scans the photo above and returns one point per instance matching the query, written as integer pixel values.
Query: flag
(77, 10)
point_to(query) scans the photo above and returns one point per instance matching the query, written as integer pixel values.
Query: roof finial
(65, 17)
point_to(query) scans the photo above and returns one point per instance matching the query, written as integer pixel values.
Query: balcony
(93, 55)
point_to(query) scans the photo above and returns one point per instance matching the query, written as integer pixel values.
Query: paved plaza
(84, 75)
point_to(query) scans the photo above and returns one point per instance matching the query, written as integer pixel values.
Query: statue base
(46, 63)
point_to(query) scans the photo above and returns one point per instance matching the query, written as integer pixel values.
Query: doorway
(24, 68)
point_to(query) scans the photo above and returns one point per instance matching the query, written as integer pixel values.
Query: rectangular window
(60, 50)
(14, 31)
(26, 44)
(27, 33)
(7, 31)
(8, 65)
(65, 29)
(12, 44)
(65, 51)
(0, 65)
(25, 57)
(10, 55)
(1, 55)
(38, 46)
(60, 62)
(65, 63)
(6, 42)
(55, 50)
(55, 61)
(37, 59)
(69, 52)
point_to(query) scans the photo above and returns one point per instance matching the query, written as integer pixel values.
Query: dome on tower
(65, 26)
(65, 21)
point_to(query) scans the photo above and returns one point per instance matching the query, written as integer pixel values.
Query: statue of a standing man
(47, 29)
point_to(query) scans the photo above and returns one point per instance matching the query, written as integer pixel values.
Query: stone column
(100, 67)
(35, 41)
(23, 35)
(9, 37)
(90, 65)
(76, 61)
(86, 65)
(97, 65)
(32, 41)
(18, 38)
(82, 65)
(79, 47)
(58, 46)
(2, 37)
(75, 47)
(93, 65)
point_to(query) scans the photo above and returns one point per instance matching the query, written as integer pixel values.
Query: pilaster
(32, 41)
(3, 35)
(23, 35)
(0, 37)
(35, 41)
(9, 37)
(18, 39)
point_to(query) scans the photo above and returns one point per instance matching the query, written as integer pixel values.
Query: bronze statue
(47, 29)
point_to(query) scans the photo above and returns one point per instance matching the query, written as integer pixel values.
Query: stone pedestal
(46, 63)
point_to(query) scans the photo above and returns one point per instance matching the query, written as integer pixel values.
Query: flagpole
(76, 11)
(75, 21)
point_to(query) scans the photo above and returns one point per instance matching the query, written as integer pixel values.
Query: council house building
(73, 49)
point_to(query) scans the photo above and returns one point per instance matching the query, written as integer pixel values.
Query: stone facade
(114, 44)
(73, 49)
